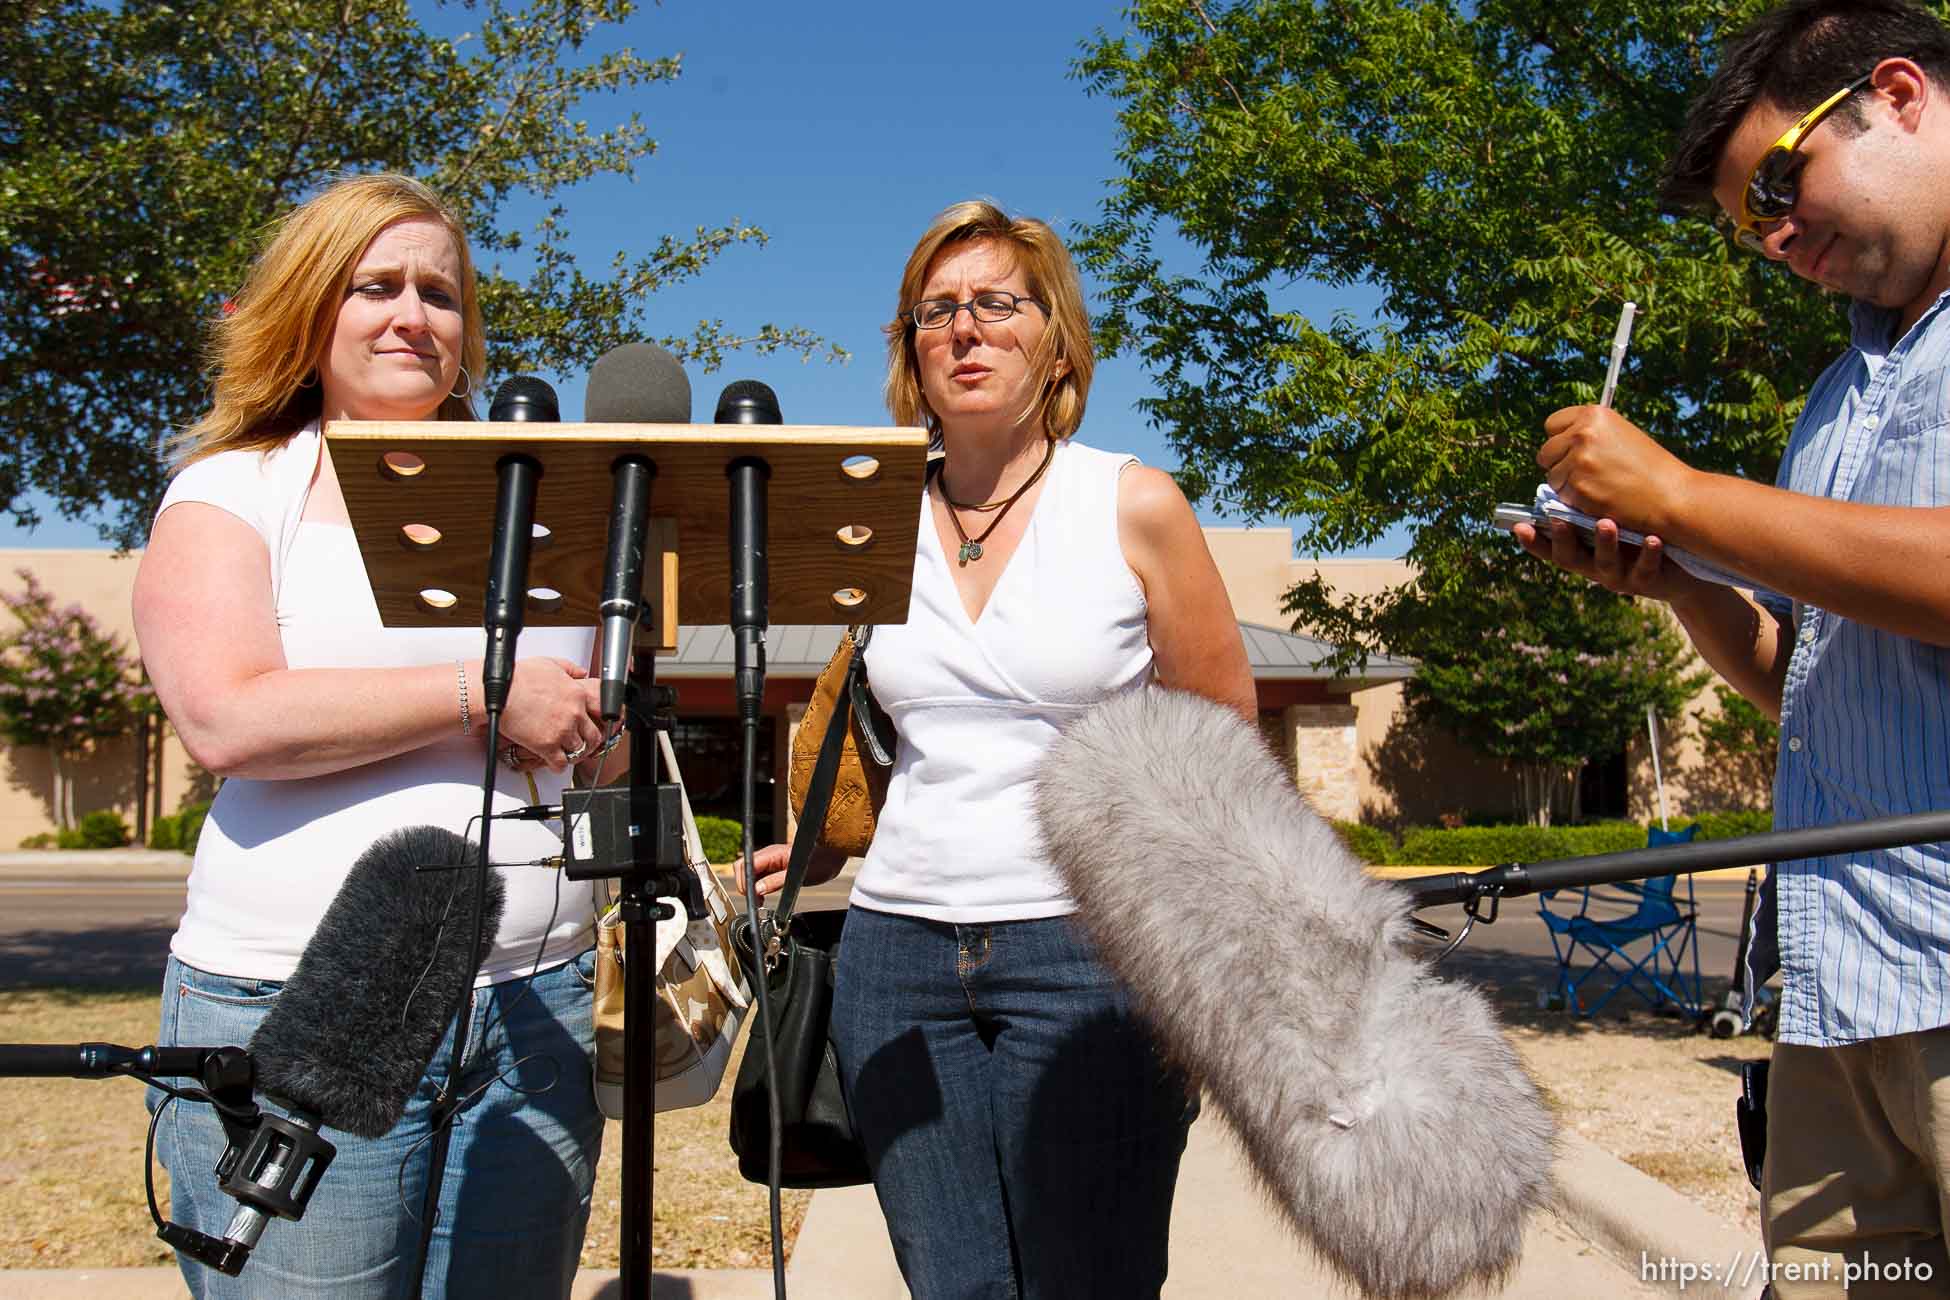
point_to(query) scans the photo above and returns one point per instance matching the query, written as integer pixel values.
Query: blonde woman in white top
(258, 626)
(1023, 1133)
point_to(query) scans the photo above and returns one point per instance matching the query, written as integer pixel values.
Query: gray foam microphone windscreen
(637, 383)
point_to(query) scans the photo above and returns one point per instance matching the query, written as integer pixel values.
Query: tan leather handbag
(702, 988)
(840, 697)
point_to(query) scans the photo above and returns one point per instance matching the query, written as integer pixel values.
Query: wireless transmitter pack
(599, 834)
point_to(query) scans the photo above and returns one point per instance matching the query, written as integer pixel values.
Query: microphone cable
(761, 978)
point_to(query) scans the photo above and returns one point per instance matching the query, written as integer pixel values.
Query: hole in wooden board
(860, 467)
(540, 535)
(849, 598)
(854, 536)
(418, 537)
(400, 465)
(438, 598)
(545, 600)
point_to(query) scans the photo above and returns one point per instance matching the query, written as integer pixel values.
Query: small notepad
(1550, 506)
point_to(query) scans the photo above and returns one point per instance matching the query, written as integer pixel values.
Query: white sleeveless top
(273, 854)
(977, 704)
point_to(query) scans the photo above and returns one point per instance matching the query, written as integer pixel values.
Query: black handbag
(819, 1146)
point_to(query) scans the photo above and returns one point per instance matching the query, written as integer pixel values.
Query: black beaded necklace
(971, 548)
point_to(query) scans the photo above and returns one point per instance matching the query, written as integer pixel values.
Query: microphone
(352, 1033)
(522, 399)
(1380, 1106)
(748, 402)
(637, 383)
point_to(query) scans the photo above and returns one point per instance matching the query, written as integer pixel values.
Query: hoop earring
(466, 388)
(310, 380)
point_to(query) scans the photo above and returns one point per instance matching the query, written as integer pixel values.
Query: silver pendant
(969, 551)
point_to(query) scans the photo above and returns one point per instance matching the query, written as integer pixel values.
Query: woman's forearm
(287, 723)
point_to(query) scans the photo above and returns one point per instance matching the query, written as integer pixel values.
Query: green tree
(64, 684)
(1490, 169)
(1741, 740)
(143, 145)
(1543, 671)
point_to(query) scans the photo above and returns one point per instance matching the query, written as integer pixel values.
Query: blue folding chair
(1642, 938)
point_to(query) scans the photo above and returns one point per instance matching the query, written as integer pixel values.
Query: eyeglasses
(1776, 182)
(992, 308)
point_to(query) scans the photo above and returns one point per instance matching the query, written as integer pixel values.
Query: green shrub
(189, 825)
(43, 840)
(724, 839)
(1371, 844)
(1489, 846)
(103, 829)
(166, 833)
(69, 839)
(1728, 825)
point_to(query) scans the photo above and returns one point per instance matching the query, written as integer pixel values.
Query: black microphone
(358, 1022)
(523, 399)
(637, 383)
(748, 402)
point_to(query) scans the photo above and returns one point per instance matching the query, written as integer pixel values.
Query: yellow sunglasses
(1776, 181)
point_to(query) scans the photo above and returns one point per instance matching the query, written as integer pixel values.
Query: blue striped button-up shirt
(1865, 716)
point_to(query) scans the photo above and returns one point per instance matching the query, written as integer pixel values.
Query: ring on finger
(511, 756)
(582, 747)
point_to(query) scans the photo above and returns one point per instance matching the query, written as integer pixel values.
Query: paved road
(107, 929)
(94, 932)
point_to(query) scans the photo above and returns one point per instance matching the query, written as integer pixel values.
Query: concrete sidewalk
(93, 864)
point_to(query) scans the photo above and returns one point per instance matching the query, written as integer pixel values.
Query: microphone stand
(1481, 892)
(860, 482)
(644, 850)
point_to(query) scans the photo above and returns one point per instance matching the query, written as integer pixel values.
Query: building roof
(1288, 656)
(802, 649)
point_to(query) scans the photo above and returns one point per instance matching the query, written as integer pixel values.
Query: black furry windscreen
(355, 1027)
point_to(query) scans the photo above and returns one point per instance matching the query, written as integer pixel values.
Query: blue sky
(841, 130)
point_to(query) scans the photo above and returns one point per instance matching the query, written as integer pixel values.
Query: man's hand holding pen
(1603, 464)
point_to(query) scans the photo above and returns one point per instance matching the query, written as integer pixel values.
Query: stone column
(1319, 741)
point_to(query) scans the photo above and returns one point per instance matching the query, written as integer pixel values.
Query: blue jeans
(1023, 1132)
(515, 1199)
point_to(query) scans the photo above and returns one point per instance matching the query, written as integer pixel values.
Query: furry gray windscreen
(1379, 1104)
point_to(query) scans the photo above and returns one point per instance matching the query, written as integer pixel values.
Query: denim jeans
(515, 1199)
(1023, 1132)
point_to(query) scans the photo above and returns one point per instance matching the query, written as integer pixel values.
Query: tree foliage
(1490, 170)
(1542, 670)
(142, 146)
(64, 684)
(1741, 740)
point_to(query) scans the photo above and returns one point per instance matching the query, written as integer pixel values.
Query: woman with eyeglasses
(259, 628)
(1023, 1132)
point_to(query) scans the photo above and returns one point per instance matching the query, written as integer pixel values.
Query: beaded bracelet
(466, 719)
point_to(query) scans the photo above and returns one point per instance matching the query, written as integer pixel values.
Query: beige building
(1353, 750)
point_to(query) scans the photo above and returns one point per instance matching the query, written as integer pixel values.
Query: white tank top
(977, 704)
(273, 853)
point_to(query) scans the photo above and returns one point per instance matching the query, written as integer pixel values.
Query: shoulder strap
(873, 749)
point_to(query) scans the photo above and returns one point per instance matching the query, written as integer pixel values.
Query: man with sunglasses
(1824, 138)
